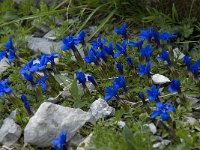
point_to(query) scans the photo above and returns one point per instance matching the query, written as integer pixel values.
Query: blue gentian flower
(164, 56)
(91, 57)
(153, 93)
(11, 56)
(59, 143)
(144, 70)
(156, 36)
(147, 52)
(122, 50)
(120, 67)
(121, 31)
(129, 62)
(109, 49)
(42, 82)
(163, 111)
(2, 54)
(187, 61)
(4, 88)
(146, 34)
(9, 45)
(175, 86)
(68, 43)
(110, 93)
(141, 96)
(28, 77)
(80, 38)
(118, 83)
(25, 101)
(137, 44)
(194, 68)
(99, 43)
(26, 67)
(167, 37)
(92, 80)
(80, 76)
(101, 55)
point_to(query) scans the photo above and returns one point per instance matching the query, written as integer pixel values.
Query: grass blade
(89, 17)
(102, 24)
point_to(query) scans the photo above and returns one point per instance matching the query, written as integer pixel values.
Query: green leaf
(128, 135)
(74, 90)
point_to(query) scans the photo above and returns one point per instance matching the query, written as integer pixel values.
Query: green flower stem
(77, 55)
(38, 94)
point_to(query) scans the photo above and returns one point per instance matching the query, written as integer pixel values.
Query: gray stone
(161, 144)
(43, 45)
(13, 114)
(100, 109)
(4, 65)
(49, 120)
(191, 120)
(83, 145)
(51, 35)
(121, 124)
(193, 99)
(76, 140)
(152, 128)
(10, 132)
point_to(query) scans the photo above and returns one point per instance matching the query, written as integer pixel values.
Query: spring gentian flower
(101, 55)
(141, 96)
(68, 43)
(194, 68)
(25, 101)
(92, 80)
(164, 56)
(120, 82)
(4, 88)
(121, 31)
(60, 143)
(122, 50)
(153, 93)
(2, 54)
(109, 49)
(11, 56)
(80, 76)
(91, 57)
(9, 44)
(175, 86)
(163, 111)
(120, 67)
(137, 44)
(28, 77)
(80, 38)
(110, 93)
(146, 34)
(42, 82)
(167, 37)
(144, 70)
(130, 62)
(156, 36)
(187, 61)
(99, 43)
(147, 52)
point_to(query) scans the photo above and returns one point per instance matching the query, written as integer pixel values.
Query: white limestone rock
(100, 109)
(152, 128)
(4, 65)
(159, 79)
(10, 132)
(43, 45)
(83, 145)
(49, 120)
